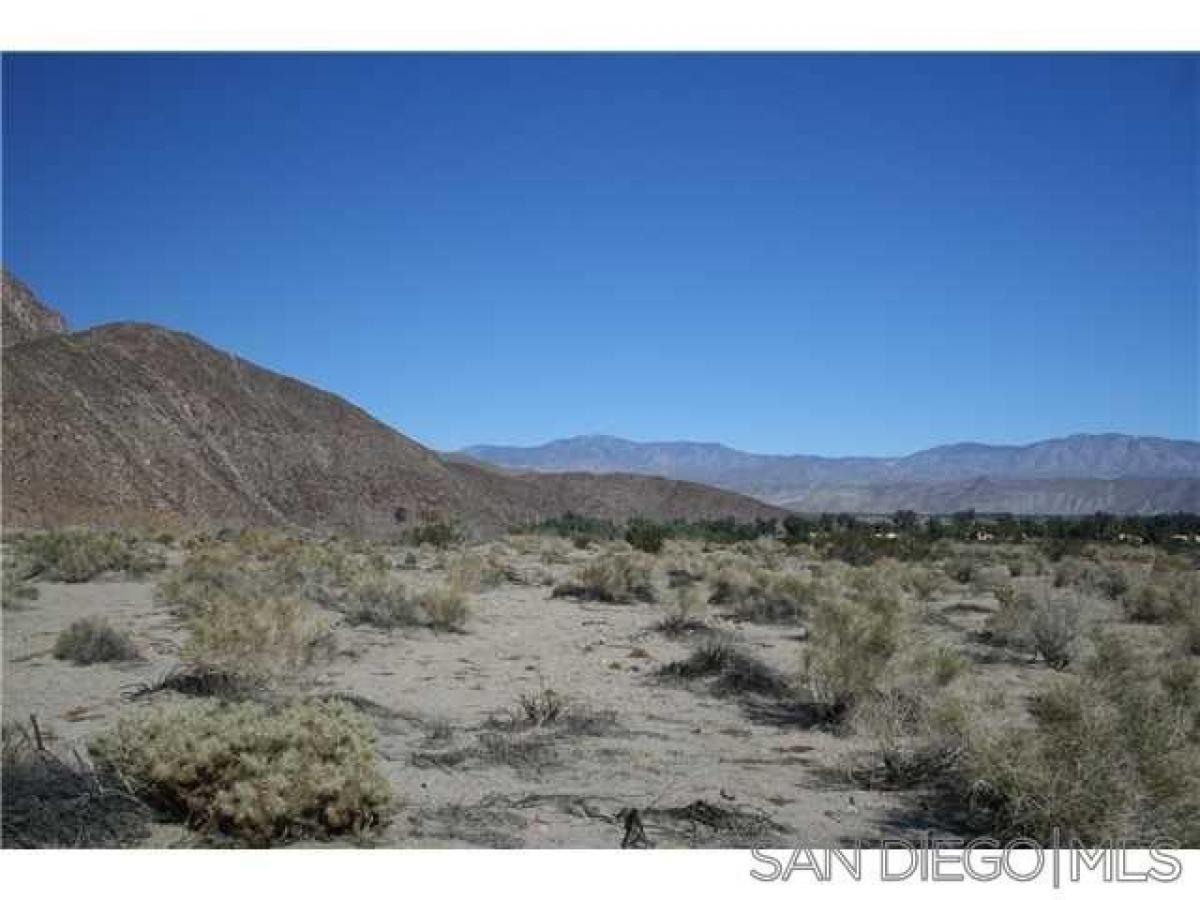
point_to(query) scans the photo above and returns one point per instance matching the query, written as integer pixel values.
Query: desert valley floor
(546, 716)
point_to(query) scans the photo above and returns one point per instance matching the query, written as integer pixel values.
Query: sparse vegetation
(1112, 755)
(612, 578)
(93, 640)
(16, 592)
(1007, 704)
(381, 602)
(440, 534)
(77, 555)
(264, 635)
(759, 595)
(446, 607)
(255, 773)
(645, 536)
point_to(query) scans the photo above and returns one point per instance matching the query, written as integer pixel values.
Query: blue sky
(830, 254)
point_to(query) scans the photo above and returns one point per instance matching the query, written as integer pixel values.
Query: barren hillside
(136, 424)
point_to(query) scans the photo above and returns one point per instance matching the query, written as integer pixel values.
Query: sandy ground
(675, 752)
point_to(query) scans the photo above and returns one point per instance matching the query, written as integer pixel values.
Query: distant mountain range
(1074, 475)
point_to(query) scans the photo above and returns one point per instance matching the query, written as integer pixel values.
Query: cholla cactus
(255, 773)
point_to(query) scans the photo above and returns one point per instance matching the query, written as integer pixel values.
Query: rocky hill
(139, 425)
(24, 317)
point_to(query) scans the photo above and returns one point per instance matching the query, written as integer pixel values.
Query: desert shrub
(1055, 627)
(853, 641)
(1185, 629)
(733, 670)
(759, 595)
(645, 536)
(381, 602)
(437, 534)
(264, 544)
(93, 640)
(79, 555)
(1047, 623)
(1010, 625)
(321, 571)
(14, 591)
(256, 773)
(446, 607)
(269, 634)
(685, 610)
(1111, 756)
(1164, 598)
(471, 572)
(541, 708)
(964, 570)
(612, 578)
(924, 583)
(205, 575)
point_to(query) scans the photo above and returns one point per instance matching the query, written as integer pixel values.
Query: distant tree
(905, 519)
(796, 529)
(645, 536)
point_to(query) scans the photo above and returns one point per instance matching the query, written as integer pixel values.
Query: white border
(595, 25)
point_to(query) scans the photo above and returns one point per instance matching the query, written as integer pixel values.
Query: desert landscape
(265, 585)
(564, 688)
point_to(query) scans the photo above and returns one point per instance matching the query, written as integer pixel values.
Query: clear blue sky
(854, 254)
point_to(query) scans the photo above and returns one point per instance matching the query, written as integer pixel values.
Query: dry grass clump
(923, 583)
(93, 640)
(686, 607)
(255, 773)
(446, 607)
(322, 572)
(1112, 755)
(76, 555)
(205, 575)
(613, 577)
(761, 595)
(1163, 597)
(548, 708)
(381, 602)
(271, 634)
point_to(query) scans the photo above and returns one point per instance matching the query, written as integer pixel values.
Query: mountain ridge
(1155, 470)
(134, 424)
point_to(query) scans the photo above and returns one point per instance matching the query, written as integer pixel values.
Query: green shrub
(853, 641)
(436, 534)
(93, 640)
(78, 555)
(645, 536)
(255, 773)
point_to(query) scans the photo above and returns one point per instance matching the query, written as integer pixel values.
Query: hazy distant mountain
(1060, 476)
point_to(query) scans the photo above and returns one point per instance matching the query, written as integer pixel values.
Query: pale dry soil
(703, 770)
